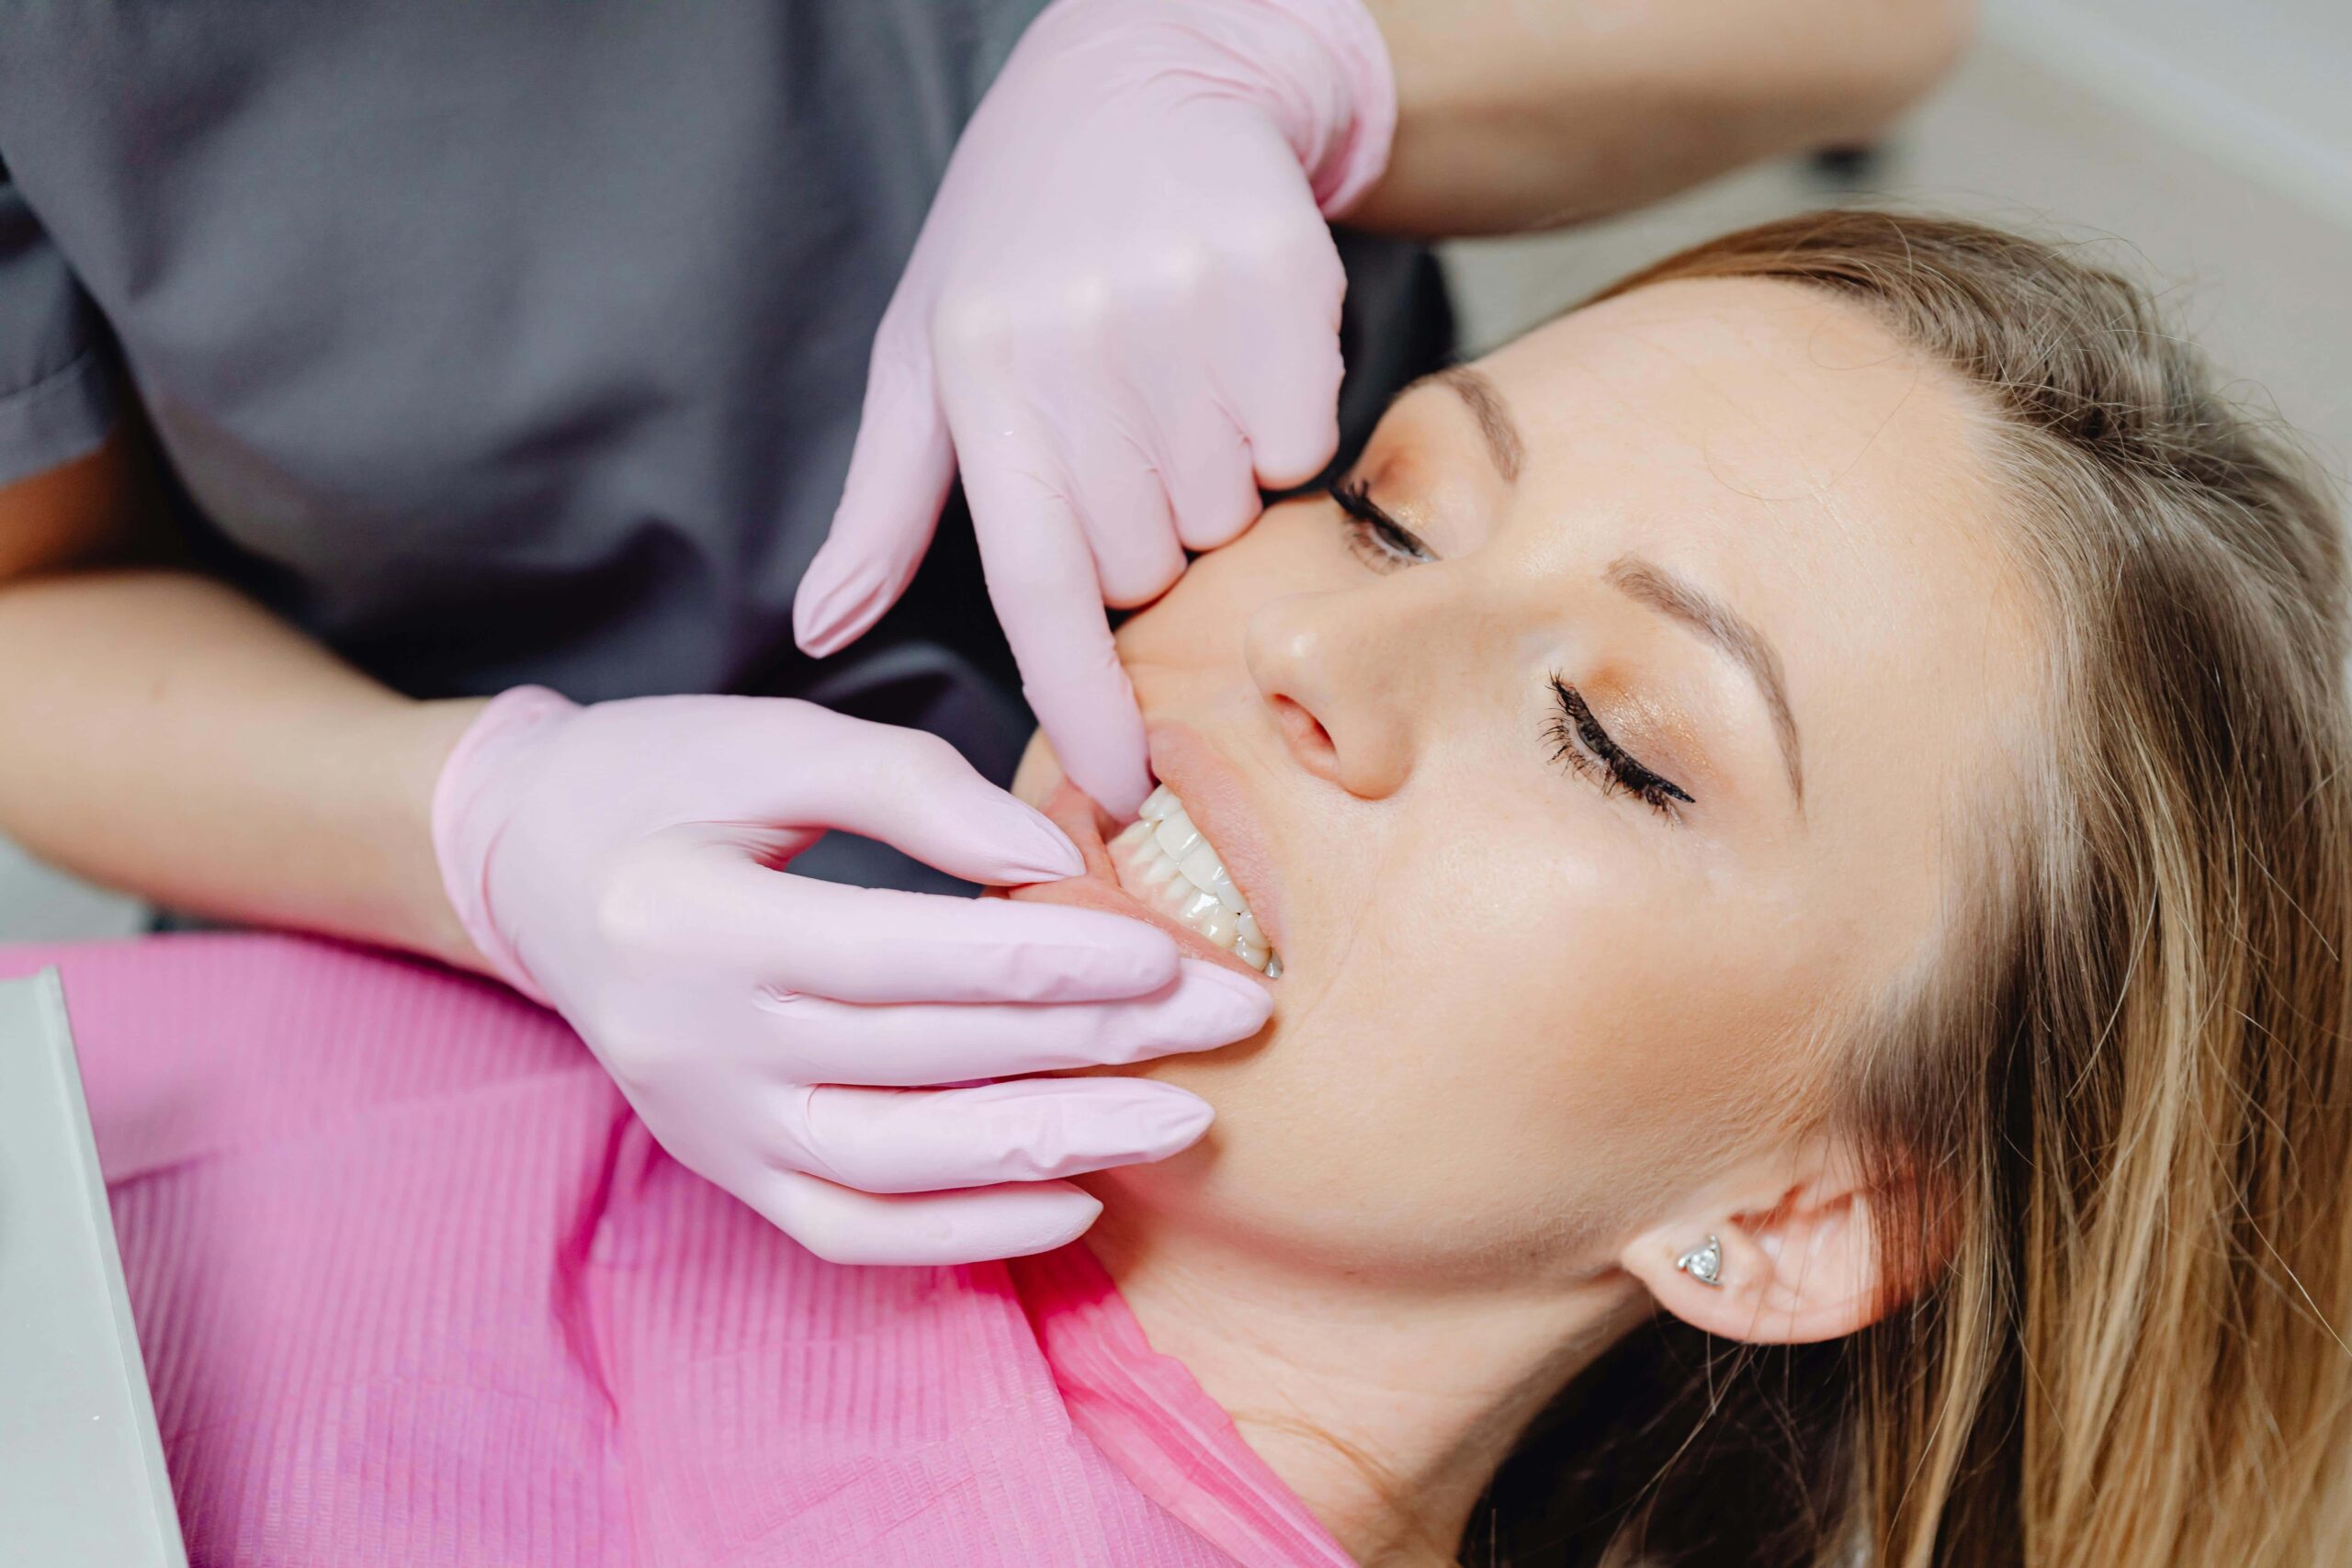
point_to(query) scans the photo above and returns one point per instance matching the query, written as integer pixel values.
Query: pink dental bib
(414, 1287)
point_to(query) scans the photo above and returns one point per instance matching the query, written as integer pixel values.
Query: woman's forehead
(1762, 388)
(1774, 438)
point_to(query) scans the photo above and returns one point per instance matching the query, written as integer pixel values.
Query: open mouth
(1137, 872)
(1168, 865)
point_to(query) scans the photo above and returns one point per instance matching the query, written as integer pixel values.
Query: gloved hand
(622, 863)
(1121, 318)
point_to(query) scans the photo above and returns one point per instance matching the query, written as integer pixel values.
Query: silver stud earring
(1704, 1264)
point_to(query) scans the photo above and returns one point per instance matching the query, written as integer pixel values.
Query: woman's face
(1607, 740)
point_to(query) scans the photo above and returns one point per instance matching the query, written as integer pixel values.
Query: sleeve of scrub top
(56, 384)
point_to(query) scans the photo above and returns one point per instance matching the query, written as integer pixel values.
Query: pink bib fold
(1158, 1425)
(414, 1287)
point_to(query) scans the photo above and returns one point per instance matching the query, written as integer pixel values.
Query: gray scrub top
(522, 341)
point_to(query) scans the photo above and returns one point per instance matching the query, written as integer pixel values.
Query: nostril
(1309, 741)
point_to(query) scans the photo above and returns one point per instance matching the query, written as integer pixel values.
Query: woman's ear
(1797, 1245)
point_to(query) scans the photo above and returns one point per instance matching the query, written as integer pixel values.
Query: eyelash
(1577, 736)
(1378, 540)
(1578, 740)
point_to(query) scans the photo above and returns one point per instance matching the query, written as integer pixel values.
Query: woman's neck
(1387, 1409)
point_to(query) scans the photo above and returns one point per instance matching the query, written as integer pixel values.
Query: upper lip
(1212, 796)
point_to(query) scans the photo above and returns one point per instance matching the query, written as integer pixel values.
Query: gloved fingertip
(1229, 1006)
(830, 609)
(853, 578)
(1177, 1122)
(1094, 1124)
(1115, 779)
(1044, 853)
(1050, 1215)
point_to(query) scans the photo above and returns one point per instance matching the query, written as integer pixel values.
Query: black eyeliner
(1398, 542)
(1591, 745)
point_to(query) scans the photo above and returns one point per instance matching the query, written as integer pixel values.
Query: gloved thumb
(899, 474)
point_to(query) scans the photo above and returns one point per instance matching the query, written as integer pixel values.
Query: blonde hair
(2121, 1097)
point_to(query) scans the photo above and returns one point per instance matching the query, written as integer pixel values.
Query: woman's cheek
(1039, 773)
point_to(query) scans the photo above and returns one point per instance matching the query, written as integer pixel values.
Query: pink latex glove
(1121, 318)
(623, 864)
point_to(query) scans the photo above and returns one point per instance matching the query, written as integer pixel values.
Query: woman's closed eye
(1579, 739)
(1377, 540)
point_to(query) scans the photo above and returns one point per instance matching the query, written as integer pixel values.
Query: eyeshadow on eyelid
(1658, 732)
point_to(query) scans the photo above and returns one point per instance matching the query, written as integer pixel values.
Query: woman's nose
(1336, 693)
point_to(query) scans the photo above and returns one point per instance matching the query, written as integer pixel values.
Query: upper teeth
(1163, 860)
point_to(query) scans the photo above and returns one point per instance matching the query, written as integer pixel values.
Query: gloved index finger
(906, 787)
(1088, 709)
(1042, 579)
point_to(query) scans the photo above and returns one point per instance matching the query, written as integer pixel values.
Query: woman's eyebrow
(1487, 406)
(1661, 589)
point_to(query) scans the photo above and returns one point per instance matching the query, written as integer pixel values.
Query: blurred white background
(2205, 144)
